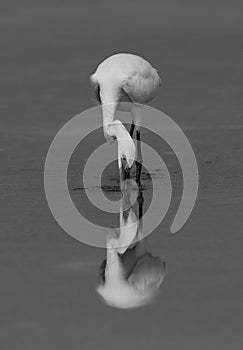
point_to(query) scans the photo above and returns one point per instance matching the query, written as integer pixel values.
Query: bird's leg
(137, 119)
(140, 200)
(139, 160)
(132, 129)
(141, 246)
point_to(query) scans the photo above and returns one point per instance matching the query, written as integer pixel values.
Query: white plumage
(125, 78)
(126, 147)
(126, 73)
(130, 276)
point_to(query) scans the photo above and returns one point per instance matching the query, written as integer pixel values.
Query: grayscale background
(47, 279)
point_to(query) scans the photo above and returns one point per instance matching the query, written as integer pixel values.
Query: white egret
(125, 78)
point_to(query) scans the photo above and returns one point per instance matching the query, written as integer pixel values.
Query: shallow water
(48, 298)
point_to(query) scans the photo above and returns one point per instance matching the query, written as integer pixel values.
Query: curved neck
(108, 112)
(109, 98)
(117, 129)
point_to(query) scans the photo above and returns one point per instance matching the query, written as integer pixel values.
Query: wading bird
(125, 78)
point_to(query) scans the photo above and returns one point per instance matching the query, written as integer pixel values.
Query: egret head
(126, 146)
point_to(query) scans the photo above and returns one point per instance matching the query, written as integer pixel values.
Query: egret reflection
(130, 276)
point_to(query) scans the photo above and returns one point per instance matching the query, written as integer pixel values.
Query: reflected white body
(131, 277)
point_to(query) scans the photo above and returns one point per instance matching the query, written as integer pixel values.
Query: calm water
(48, 280)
